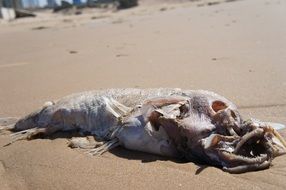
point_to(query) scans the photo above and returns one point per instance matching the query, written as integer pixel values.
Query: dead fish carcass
(167, 122)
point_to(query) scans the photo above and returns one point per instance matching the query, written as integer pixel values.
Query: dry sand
(237, 49)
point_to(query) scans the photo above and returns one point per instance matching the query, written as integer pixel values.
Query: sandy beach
(237, 49)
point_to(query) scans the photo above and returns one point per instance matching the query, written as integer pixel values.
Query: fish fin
(107, 146)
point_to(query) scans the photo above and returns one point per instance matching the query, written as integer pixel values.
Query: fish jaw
(252, 151)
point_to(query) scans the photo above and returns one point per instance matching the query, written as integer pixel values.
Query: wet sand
(237, 49)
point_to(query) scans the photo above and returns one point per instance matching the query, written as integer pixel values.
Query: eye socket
(184, 109)
(218, 105)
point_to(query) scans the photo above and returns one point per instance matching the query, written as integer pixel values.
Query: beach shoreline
(236, 49)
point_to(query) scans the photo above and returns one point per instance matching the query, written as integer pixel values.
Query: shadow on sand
(128, 154)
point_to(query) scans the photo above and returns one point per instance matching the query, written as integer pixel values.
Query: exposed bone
(273, 147)
(214, 139)
(276, 134)
(246, 160)
(247, 168)
(256, 133)
(109, 107)
(105, 147)
(270, 149)
(226, 118)
(23, 134)
(231, 131)
(122, 108)
(31, 133)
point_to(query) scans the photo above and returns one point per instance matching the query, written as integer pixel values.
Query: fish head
(223, 139)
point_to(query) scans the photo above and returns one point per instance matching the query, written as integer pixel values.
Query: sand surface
(237, 49)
